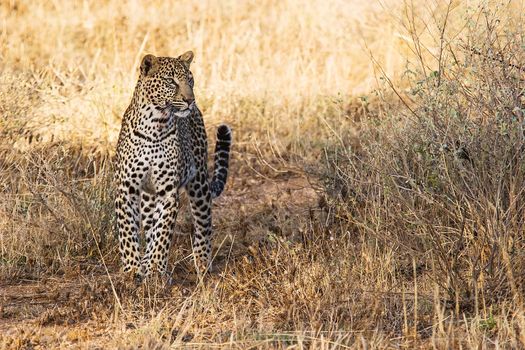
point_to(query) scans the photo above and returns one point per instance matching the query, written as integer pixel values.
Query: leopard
(162, 150)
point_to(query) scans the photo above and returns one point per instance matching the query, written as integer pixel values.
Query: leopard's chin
(182, 114)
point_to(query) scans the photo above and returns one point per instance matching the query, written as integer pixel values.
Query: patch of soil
(78, 307)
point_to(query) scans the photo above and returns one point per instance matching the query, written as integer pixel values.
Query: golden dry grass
(348, 221)
(82, 57)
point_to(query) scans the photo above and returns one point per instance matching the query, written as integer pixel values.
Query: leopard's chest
(164, 143)
(171, 159)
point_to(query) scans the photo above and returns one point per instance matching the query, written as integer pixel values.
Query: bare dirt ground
(81, 308)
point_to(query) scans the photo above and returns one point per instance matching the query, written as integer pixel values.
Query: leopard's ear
(186, 58)
(148, 65)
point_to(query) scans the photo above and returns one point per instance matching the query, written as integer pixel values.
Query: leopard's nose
(187, 95)
(189, 99)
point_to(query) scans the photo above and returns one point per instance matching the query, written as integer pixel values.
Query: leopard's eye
(171, 81)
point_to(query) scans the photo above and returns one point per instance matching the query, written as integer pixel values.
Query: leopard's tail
(222, 156)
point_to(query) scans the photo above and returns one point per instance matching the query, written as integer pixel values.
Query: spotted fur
(162, 148)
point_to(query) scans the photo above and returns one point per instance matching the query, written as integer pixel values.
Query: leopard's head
(167, 82)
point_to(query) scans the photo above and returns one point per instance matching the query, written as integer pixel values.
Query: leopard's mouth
(179, 109)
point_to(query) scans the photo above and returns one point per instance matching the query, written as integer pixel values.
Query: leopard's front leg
(128, 221)
(161, 233)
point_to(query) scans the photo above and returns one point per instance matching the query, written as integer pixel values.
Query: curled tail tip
(224, 132)
(222, 155)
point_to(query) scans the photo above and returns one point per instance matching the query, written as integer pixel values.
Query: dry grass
(376, 191)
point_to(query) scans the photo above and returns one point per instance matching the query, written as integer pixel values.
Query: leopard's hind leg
(200, 204)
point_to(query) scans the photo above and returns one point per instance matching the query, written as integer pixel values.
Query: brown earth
(79, 309)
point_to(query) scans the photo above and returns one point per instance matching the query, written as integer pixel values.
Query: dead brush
(65, 200)
(442, 181)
